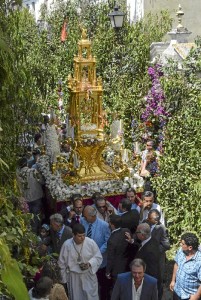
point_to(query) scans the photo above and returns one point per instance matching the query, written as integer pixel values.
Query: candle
(75, 161)
(67, 125)
(72, 133)
(137, 149)
(121, 126)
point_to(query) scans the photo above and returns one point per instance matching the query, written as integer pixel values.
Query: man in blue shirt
(186, 277)
(99, 231)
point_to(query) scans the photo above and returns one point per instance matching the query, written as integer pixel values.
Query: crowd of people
(106, 252)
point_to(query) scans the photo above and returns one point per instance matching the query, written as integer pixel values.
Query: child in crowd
(42, 289)
(44, 239)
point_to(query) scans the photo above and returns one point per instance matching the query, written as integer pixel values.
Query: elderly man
(148, 251)
(135, 284)
(186, 277)
(59, 233)
(99, 231)
(79, 261)
(159, 232)
(147, 205)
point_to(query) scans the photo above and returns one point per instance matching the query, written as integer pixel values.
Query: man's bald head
(89, 213)
(143, 231)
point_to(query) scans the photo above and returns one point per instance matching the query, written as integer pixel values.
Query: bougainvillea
(155, 115)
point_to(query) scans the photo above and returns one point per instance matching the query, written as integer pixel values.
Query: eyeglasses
(138, 232)
(101, 206)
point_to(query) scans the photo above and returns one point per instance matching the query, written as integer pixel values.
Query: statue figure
(84, 33)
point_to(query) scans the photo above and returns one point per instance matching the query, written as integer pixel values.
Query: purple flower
(151, 72)
(155, 98)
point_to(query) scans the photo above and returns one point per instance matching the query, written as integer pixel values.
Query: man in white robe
(79, 261)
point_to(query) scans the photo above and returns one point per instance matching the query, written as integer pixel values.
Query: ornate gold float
(86, 120)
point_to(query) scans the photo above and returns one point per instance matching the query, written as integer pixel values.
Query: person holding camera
(75, 213)
(79, 260)
(104, 209)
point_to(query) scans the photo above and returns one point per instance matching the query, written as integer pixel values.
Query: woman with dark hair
(149, 170)
(52, 270)
(42, 289)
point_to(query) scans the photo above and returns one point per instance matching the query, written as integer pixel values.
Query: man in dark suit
(59, 233)
(135, 284)
(129, 218)
(149, 251)
(72, 212)
(75, 214)
(117, 249)
(159, 232)
(66, 207)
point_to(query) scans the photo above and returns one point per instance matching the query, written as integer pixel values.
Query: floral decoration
(60, 191)
(155, 115)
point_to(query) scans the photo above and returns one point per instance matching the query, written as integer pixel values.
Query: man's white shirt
(136, 293)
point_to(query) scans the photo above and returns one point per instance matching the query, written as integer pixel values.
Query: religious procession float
(95, 162)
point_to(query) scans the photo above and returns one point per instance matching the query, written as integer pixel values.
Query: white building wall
(136, 7)
(33, 6)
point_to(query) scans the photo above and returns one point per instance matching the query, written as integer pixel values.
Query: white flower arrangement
(134, 181)
(61, 191)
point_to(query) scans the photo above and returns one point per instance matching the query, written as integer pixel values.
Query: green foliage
(19, 105)
(51, 60)
(179, 185)
(123, 59)
(11, 275)
(33, 59)
(17, 237)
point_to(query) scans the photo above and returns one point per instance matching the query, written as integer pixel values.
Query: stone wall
(191, 9)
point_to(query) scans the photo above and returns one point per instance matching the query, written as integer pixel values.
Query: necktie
(89, 231)
(77, 218)
(58, 237)
(140, 247)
